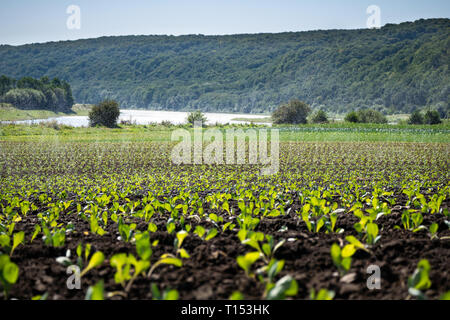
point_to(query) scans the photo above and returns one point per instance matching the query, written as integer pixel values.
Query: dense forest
(29, 93)
(398, 68)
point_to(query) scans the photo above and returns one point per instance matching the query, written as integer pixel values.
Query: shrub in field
(320, 117)
(196, 116)
(105, 114)
(365, 116)
(294, 112)
(432, 117)
(416, 118)
(371, 116)
(352, 117)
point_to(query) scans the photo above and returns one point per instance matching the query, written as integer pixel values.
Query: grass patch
(10, 113)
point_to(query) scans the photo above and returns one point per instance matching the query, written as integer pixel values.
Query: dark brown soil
(212, 271)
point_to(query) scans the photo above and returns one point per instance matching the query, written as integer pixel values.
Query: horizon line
(212, 35)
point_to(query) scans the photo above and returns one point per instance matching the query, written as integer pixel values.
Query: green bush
(365, 116)
(432, 117)
(105, 114)
(196, 116)
(416, 118)
(294, 112)
(25, 98)
(320, 117)
(371, 116)
(352, 117)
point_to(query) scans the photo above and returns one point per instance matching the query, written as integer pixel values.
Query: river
(147, 117)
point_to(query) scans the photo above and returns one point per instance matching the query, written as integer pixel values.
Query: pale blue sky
(29, 21)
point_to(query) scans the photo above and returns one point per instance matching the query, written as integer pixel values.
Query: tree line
(395, 69)
(29, 93)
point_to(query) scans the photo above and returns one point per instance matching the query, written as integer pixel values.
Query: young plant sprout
(420, 280)
(9, 273)
(322, 294)
(167, 294)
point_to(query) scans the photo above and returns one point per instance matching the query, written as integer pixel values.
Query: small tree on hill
(105, 114)
(294, 112)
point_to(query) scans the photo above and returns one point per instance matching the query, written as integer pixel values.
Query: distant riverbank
(10, 113)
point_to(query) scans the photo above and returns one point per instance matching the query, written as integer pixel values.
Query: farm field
(137, 226)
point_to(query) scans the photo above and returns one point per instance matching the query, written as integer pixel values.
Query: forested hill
(396, 68)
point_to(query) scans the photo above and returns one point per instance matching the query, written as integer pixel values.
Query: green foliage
(398, 67)
(342, 258)
(96, 292)
(246, 261)
(196, 116)
(105, 114)
(285, 287)
(420, 280)
(366, 116)
(95, 261)
(29, 93)
(9, 273)
(412, 220)
(167, 294)
(322, 294)
(352, 117)
(416, 118)
(320, 117)
(432, 117)
(294, 112)
(128, 268)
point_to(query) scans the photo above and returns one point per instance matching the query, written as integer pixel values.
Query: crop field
(347, 216)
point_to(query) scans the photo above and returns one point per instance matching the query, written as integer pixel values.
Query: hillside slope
(396, 68)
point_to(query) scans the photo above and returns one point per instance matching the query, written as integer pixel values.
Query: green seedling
(96, 292)
(37, 230)
(143, 246)
(55, 238)
(366, 227)
(128, 268)
(126, 230)
(267, 249)
(433, 230)
(204, 234)
(342, 258)
(322, 294)
(245, 262)
(9, 273)
(236, 295)
(170, 225)
(420, 280)
(181, 235)
(167, 294)
(285, 287)
(95, 261)
(445, 296)
(94, 226)
(41, 297)
(412, 220)
(17, 239)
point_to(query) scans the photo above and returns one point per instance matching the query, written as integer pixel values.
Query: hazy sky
(29, 21)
